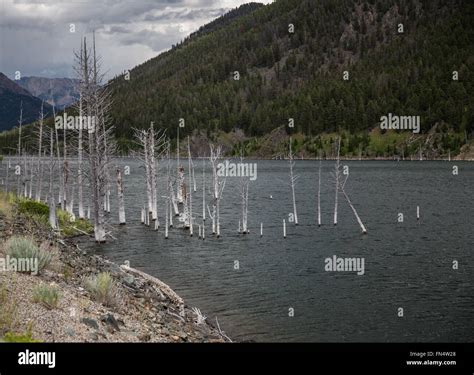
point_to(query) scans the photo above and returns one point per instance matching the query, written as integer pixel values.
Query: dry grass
(103, 289)
(6, 204)
(47, 295)
(7, 310)
(25, 248)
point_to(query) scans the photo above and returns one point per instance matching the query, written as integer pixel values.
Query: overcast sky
(35, 36)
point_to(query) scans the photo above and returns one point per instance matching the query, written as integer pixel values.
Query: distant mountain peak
(62, 92)
(6, 84)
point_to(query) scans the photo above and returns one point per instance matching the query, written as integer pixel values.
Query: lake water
(408, 265)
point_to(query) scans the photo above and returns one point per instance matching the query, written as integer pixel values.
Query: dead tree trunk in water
(25, 176)
(65, 171)
(150, 143)
(98, 106)
(146, 157)
(362, 227)
(244, 195)
(293, 180)
(218, 188)
(319, 194)
(342, 187)
(170, 190)
(152, 162)
(80, 178)
(179, 175)
(51, 198)
(58, 159)
(191, 173)
(19, 172)
(203, 191)
(337, 174)
(121, 203)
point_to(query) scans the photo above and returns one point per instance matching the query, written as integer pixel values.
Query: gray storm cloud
(36, 37)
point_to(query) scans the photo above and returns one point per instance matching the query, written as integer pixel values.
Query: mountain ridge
(62, 92)
(12, 98)
(299, 75)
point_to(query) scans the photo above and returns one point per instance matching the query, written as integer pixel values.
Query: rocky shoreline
(147, 310)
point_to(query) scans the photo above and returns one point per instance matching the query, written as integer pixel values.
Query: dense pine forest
(300, 75)
(331, 66)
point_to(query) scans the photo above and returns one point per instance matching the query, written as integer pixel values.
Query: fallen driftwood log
(160, 284)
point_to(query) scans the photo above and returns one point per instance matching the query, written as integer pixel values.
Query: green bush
(25, 248)
(68, 227)
(64, 217)
(102, 288)
(26, 337)
(48, 296)
(28, 206)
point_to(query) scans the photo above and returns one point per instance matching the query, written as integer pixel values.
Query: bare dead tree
(190, 195)
(146, 159)
(65, 171)
(217, 189)
(244, 196)
(157, 148)
(51, 198)
(32, 176)
(293, 180)
(39, 182)
(170, 190)
(20, 123)
(337, 175)
(194, 178)
(342, 187)
(107, 153)
(152, 144)
(184, 216)
(58, 155)
(70, 206)
(179, 174)
(203, 192)
(25, 175)
(83, 72)
(97, 106)
(120, 196)
(169, 187)
(19, 150)
(319, 193)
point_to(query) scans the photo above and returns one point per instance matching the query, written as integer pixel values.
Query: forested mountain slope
(300, 75)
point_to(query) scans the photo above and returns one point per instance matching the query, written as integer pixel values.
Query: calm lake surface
(407, 265)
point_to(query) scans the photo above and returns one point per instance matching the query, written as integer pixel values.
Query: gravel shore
(145, 309)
